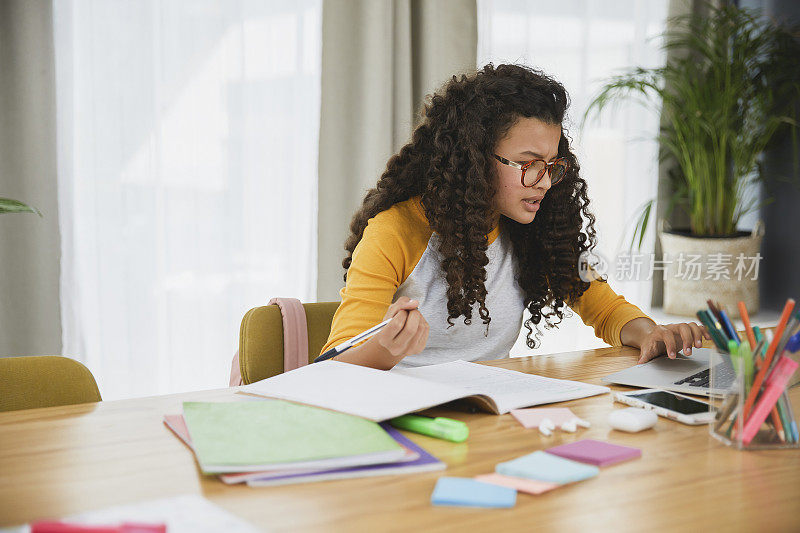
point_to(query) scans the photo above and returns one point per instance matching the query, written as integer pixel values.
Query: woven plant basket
(727, 272)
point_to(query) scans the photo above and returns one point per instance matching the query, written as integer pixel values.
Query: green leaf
(645, 219)
(641, 225)
(7, 205)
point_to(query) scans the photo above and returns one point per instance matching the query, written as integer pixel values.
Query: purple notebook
(595, 452)
(425, 463)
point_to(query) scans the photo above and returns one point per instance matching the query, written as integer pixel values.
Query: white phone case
(692, 420)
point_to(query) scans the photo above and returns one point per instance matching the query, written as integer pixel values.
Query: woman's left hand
(670, 338)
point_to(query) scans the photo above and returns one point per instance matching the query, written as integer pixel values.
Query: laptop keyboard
(725, 376)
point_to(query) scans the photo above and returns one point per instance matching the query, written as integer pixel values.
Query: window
(581, 43)
(187, 180)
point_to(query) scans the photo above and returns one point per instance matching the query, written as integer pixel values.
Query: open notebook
(379, 395)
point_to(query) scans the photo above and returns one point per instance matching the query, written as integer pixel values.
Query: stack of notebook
(273, 442)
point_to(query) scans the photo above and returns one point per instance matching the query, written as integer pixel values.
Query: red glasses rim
(548, 167)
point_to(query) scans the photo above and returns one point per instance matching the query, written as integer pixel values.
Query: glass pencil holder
(755, 400)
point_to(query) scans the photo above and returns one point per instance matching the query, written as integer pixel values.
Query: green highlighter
(746, 360)
(439, 427)
(736, 361)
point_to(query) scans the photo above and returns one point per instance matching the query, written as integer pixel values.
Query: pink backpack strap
(295, 332)
(295, 338)
(236, 372)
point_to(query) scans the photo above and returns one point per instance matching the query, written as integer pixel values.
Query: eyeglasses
(556, 168)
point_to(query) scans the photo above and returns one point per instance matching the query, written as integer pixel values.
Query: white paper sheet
(189, 513)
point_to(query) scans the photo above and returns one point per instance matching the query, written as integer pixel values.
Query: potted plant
(731, 84)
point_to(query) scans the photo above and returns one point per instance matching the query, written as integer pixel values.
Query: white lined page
(509, 389)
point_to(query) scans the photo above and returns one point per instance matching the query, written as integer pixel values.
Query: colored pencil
(759, 338)
(746, 321)
(751, 398)
(718, 337)
(716, 317)
(726, 322)
(713, 308)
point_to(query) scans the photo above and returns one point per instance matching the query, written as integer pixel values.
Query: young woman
(479, 217)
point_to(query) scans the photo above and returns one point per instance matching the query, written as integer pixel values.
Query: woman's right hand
(407, 333)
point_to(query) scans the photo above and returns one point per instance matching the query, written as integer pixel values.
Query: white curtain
(581, 43)
(187, 169)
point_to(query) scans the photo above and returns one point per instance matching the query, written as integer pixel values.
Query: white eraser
(582, 423)
(632, 419)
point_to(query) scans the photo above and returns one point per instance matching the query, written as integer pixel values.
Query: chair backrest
(44, 381)
(261, 338)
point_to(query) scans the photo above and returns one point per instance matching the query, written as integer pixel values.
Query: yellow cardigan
(392, 245)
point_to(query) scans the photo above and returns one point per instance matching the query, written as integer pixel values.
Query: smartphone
(669, 405)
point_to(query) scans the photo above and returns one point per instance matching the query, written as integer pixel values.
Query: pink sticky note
(531, 486)
(532, 417)
(595, 452)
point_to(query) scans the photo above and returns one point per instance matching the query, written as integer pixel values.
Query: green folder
(273, 434)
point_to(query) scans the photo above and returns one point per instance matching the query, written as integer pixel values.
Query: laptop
(689, 375)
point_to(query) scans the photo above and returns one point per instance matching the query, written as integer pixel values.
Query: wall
(779, 276)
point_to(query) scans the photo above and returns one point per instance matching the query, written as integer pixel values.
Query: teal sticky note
(543, 466)
(467, 492)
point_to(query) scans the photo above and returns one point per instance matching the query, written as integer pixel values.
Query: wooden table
(63, 460)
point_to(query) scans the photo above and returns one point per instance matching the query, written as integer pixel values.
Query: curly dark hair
(449, 164)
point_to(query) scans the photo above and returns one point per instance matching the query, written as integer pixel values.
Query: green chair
(261, 338)
(44, 381)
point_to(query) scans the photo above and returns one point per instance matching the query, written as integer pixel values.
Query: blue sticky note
(543, 466)
(470, 493)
